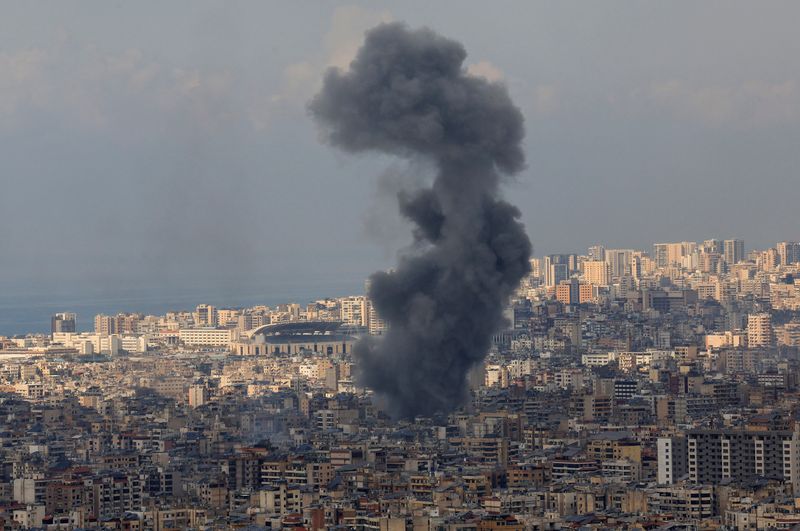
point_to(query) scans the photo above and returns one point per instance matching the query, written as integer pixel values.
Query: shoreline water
(22, 314)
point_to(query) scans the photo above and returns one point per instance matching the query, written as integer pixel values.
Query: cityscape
(629, 389)
(399, 266)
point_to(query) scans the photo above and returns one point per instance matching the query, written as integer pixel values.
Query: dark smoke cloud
(407, 93)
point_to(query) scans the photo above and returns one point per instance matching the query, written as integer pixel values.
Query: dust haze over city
(374, 265)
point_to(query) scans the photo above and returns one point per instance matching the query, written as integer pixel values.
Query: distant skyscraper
(536, 267)
(717, 455)
(597, 272)
(374, 323)
(672, 459)
(62, 322)
(672, 254)
(198, 395)
(597, 252)
(620, 261)
(709, 262)
(206, 315)
(105, 324)
(789, 252)
(377, 326)
(568, 291)
(661, 254)
(759, 330)
(712, 246)
(354, 310)
(556, 268)
(733, 251)
(555, 273)
(768, 260)
(637, 265)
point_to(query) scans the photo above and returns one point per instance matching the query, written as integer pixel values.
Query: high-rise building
(712, 246)
(587, 293)
(661, 254)
(62, 322)
(672, 459)
(105, 325)
(733, 251)
(206, 315)
(759, 330)
(228, 316)
(554, 274)
(789, 252)
(710, 262)
(556, 269)
(672, 254)
(536, 268)
(597, 272)
(597, 252)
(717, 455)
(568, 291)
(128, 323)
(768, 260)
(377, 326)
(198, 395)
(354, 311)
(642, 265)
(620, 261)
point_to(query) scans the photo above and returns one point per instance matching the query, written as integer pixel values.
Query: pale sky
(166, 144)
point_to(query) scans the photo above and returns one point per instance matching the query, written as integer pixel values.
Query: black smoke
(407, 93)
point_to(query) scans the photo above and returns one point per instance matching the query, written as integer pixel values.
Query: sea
(30, 312)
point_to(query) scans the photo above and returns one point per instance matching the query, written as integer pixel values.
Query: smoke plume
(407, 93)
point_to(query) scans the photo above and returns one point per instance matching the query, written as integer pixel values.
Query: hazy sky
(166, 144)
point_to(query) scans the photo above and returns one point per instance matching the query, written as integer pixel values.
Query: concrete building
(377, 326)
(619, 260)
(759, 330)
(682, 502)
(206, 315)
(672, 459)
(733, 251)
(568, 291)
(556, 269)
(62, 322)
(354, 311)
(198, 395)
(672, 254)
(105, 324)
(717, 455)
(212, 337)
(788, 252)
(597, 253)
(597, 272)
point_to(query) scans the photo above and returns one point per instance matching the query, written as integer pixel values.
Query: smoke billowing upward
(407, 93)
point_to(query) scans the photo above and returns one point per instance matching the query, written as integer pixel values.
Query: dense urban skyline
(384, 266)
(625, 389)
(29, 314)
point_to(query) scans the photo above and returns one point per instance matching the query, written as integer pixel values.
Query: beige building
(788, 252)
(377, 326)
(759, 330)
(206, 315)
(672, 254)
(354, 310)
(211, 337)
(790, 334)
(198, 395)
(725, 339)
(105, 324)
(597, 272)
